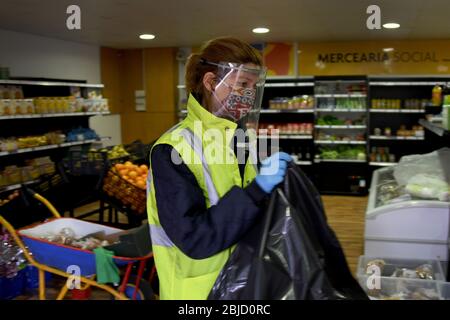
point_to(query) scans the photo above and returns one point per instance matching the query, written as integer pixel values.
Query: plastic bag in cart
(425, 175)
(292, 254)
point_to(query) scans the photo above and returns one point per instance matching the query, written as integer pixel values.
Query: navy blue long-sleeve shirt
(200, 232)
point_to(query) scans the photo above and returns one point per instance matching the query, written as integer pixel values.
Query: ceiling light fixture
(388, 49)
(147, 36)
(260, 30)
(391, 25)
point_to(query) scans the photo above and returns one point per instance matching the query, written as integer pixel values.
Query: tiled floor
(345, 216)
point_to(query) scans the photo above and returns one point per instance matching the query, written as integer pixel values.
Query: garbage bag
(290, 254)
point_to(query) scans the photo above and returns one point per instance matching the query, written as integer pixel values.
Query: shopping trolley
(58, 258)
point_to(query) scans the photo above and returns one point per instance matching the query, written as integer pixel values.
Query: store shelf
(349, 95)
(303, 163)
(338, 142)
(287, 136)
(340, 160)
(53, 115)
(17, 186)
(382, 164)
(51, 83)
(52, 146)
(288, 84)
(339, 110)
(320, 126)
(435, 128)
(406, 83)
(395, 138)
(397, 111)
(287, 111)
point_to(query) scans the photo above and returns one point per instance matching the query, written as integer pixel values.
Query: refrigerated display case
(400, 225)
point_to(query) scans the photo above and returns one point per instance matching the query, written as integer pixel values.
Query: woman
(201, 203)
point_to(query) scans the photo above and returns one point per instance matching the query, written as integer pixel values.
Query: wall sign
(424, 57)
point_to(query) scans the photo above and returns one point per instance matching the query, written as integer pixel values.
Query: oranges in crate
(132, 173)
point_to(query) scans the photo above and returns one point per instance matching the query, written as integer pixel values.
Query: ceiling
(117, 23)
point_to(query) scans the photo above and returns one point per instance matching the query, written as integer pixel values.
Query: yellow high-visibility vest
(180, 276)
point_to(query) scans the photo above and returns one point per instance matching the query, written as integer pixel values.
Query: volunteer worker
(200, 204)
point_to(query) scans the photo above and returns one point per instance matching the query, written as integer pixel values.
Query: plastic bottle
(436, 97)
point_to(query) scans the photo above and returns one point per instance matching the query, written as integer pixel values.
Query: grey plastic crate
(396, 263)
(388, 288)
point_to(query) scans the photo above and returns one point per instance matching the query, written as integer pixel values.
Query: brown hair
(218, 50)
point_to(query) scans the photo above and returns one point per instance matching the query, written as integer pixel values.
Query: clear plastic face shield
(238, 93)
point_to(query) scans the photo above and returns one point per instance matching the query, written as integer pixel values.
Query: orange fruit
(141, 184)
(132, 174)
(123, 172)
(119, 166)
(143, 166)
(128, 164)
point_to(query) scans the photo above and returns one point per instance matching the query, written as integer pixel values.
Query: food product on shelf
(296, 102)
(333, 120)
(6, 199)
(341, 103)
(397, 103)
(340, 137)
(381, 154)
(416, 131)
(32, 170)
(436, 96)
(286, 128)
(81, 134)
(342, 152)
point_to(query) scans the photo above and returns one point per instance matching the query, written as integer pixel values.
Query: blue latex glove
(272, 171)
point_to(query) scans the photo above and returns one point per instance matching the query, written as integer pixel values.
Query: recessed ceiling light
(391, 25)
(147, 36)
(388, 49)
(260, 30)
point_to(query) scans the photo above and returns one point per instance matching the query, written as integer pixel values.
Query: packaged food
(4, 94)
(8, 108)
(387, 131)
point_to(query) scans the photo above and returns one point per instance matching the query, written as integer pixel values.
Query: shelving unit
(382, 164)
(52, 146)
(340, 160)
(397, 111)
(341, 110)
(288, 136)
(53, 115)
(39, 124)
(395, 138)
(402, 90)
(299, 145)
(17, 186)
(344, 127)
(366, 118)
(286, 111)
(339, 142)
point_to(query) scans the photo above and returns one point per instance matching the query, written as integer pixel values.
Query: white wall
(28, 55)
(107, 126)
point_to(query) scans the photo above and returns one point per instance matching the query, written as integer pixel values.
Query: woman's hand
(272, 171)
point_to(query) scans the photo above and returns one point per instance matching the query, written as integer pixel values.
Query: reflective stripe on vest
(160, 237)
(196, 145)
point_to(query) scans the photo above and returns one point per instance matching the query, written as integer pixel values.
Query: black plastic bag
(290, 254)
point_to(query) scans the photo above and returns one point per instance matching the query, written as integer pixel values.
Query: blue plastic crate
(10, 288)
(32, 277)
